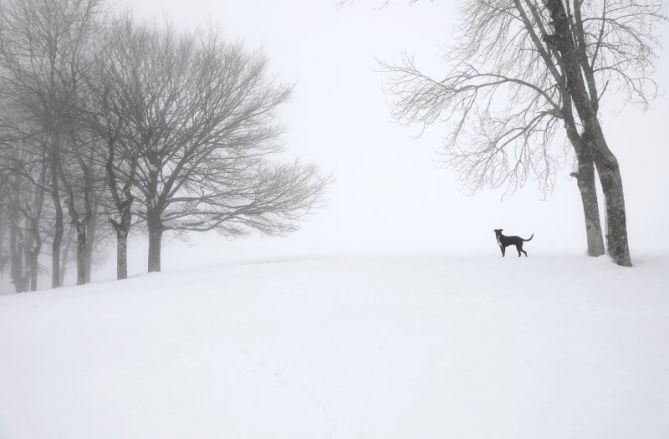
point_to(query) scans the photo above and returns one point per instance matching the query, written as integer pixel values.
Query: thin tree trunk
(3, 220)
(33, 248)
(34, 267)
(124, 208)
(585, 177)
(92, 208)
(81, 253)
(36, 243)
(56, 280)
(80, 225)
(91, 231)
(58, 226)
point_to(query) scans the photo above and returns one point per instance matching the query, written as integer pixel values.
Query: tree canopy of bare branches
(522, 70)
(194, 120)
(42, 43)
(111, 122)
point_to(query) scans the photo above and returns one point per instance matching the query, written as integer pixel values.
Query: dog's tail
(530, 238)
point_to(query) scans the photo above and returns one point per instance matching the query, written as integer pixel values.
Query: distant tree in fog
(109, 122)
(190, 126)
(22, 205)
(24, 211)
(520, 71)
(112, 82)
(42, 47)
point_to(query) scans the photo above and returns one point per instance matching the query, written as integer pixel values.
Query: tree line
(109, 126)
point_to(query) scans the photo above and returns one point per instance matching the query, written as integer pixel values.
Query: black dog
(505, 241)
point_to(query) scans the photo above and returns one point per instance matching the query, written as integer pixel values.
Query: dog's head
(498, 232)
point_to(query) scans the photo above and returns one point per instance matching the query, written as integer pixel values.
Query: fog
(389, 313)
(390, 192)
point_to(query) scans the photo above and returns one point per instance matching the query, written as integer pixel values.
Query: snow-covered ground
(346, 347)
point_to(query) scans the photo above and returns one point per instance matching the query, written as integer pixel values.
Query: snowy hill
(360, 347)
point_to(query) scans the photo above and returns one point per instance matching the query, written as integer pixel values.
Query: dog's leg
(519, 248)
(503, 250)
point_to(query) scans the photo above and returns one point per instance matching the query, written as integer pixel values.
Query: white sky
(389, 193)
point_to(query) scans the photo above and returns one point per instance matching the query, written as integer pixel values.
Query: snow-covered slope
(360, 347)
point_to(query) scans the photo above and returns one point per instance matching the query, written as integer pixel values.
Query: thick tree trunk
(32, 251)
(121, 254)
(605, 161)
(65, 254)
(122, 229)
(612, 186)
(585, 178)
(155, 241)
(616, 217)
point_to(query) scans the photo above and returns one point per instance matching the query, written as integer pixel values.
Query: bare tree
(189, 123)
(592, 49)
(22, 204)
(519, 71)
(40, 46)
(110, 82)
(23, 210)
(40, 42)
(181, 128)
